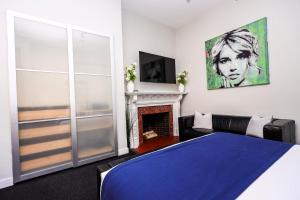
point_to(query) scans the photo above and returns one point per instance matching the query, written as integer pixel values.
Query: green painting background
(259, 29)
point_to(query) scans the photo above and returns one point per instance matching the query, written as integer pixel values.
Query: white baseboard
(123, 151)
(6, 182)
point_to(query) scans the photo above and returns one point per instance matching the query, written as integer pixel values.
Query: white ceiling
(173, 13)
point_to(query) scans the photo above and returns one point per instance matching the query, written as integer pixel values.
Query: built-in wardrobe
(61, 95)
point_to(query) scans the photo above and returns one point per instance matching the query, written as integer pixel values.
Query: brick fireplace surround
(152, 102)
(152, 110)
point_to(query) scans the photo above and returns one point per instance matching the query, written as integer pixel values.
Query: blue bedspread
(219, 166)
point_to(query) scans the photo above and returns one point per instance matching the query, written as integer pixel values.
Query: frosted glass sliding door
(61, 96)
(93, 94)
(42, 90)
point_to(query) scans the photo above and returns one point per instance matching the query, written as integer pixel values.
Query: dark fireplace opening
(155, 122)
(158, 122)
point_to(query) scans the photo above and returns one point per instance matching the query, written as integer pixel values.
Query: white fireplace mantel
(151, 98)
(155, 93)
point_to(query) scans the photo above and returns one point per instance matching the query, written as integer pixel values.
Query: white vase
(181, 87)
(130, 86)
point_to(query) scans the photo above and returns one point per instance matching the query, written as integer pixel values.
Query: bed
(216, 166)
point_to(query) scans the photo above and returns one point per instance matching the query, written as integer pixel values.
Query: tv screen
(156, 69)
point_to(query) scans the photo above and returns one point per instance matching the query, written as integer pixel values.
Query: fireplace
(152, 102)
(157, 119)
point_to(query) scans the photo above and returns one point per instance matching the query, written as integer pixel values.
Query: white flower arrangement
(130, 73)
(182, 77)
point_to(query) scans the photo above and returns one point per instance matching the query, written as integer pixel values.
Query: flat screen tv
(156, 69)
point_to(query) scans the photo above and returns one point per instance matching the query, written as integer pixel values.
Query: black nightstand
(280, 130)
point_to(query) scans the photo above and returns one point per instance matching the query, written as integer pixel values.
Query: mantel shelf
(138, 93)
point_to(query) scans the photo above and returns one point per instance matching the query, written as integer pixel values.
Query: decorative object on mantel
(239, 57)
(130, 76)
(182, 80)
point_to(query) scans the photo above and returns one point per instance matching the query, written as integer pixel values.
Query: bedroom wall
(142, 34)
(98, 15)
(281, 97)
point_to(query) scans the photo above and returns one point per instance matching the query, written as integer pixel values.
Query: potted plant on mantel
(182, 80)
(130, 76)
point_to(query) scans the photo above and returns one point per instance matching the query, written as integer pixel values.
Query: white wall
(282, 97)
(142, 34)
(98, 15)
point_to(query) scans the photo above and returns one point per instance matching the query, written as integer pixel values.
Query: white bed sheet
(280, 182)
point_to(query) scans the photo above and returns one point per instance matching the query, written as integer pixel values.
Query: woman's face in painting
(233, 65)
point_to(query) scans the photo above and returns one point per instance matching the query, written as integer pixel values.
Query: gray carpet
(71, 184)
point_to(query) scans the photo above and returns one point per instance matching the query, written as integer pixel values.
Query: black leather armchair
(278, 129)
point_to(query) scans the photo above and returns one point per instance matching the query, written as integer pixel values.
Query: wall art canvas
(239, 57)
